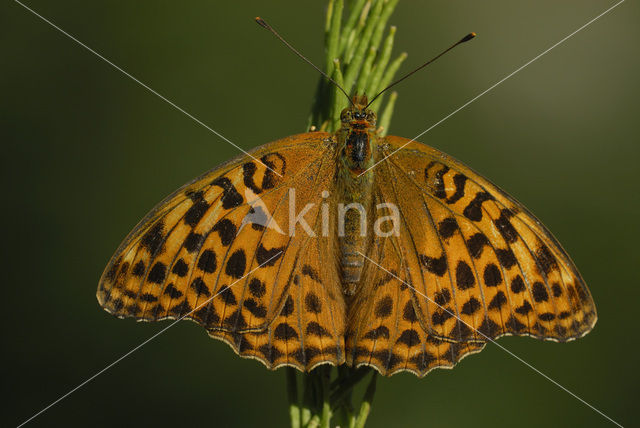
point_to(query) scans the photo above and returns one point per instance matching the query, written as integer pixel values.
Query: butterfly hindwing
(309, 328)
(483, 265)
(383, 328)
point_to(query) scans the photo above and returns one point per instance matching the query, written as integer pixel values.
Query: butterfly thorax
(356, 137)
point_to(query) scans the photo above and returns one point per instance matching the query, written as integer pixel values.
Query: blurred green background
(87, 152)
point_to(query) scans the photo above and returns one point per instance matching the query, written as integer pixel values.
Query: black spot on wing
(492, 276)
(271, 161)
(256, 309)
(546, 259)
(157, 273)
(505, 227)
(434, 265)
(423, 360)
(489, 328)
(138, 268)
(181, 308)
(374, 334)
(473, 211)
(284, 331)
(227, 296)
(464, 276)
(384, 307)
(441, 315)
(230, 196)
(207, 315)
(235, 321)
(315, 329)
(517, 285)
(287, 308)
(387, 358)
(438, 181)
(506, 257)
(266, 257)
(442, 297)
(195, 212)
(547, 316)
(257, 287)
(312, 303)
(498, 300)
(200, 287)
(311, 273)
(458, 180)
(564, 315)
(180, 268)
(514, 325)
(540, 292)
(270, 352)
(149, 298)
(172, 291)
(193, 242)
(409, 313)
(248, 172)
(476, 243)
(207, 262)
(226, 230)
(236, 264)
(153, 239)
(111, 273)
(471, 306)
(525, 308)
(409, 338)
(447, 227)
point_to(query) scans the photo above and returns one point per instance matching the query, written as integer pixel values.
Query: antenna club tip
(260, 21)
(468, 37)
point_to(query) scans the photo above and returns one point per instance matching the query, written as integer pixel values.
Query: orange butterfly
(348, 248)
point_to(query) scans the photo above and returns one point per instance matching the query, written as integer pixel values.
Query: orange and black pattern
(470, 264)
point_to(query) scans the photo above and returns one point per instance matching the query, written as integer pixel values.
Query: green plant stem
(334, 19)
(387, 78)
(351, 42)
(337, 96)
(292, 396)
(357, 57)
(381, 64)
(365, 408)
(348, 28)
(385, 117)
(305, 414)
(363, 43)
(326, 404)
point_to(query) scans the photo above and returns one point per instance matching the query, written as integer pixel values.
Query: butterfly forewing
(486, 266)
(210, 253)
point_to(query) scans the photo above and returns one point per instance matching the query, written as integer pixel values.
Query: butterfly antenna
(462, 40)
(266, 26)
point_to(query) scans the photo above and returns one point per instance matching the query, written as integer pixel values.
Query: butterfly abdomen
(353, 210)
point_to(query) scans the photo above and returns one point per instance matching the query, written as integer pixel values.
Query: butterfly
(268, 254)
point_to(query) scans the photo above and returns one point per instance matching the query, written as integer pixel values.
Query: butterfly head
(358, 127)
